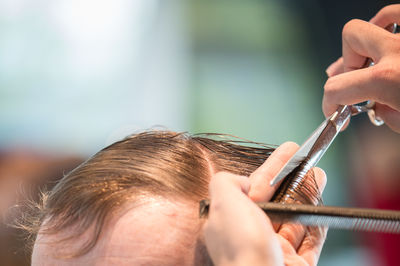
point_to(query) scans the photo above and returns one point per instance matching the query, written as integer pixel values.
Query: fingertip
(260, 189)
(320, 178)
(329, 70)
(275, 161)
(320, 172)
(222, 181)
(335, 68)
(328, 108)
(288, 146)
(328, 73)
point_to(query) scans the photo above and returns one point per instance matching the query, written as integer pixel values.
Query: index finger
(387, 15)
(260, 189)
(363, 40)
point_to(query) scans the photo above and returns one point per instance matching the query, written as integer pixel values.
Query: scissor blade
(300, 155)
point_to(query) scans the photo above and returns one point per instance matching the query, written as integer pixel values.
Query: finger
(387, 15)
(363, 40)
(345, 125)
(335, 68)
(374, 83)
(311, 247)
(226, 199)
(360, 40)
(227, 196)
(389, 115)
(320, 178)
(227, 193)
(260, 179)
(294, 233)
(226, 185)
(224, 239)
(290, 255)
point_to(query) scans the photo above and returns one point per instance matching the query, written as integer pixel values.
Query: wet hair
(156, 163)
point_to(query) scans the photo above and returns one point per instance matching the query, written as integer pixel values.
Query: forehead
(156, 231)
(158, 228)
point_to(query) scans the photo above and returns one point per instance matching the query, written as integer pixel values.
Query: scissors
(307, 157)
(316, 145)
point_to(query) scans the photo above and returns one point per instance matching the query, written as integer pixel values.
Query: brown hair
(157, 163)
(161, 163)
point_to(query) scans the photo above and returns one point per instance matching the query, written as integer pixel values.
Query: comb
(357, 219)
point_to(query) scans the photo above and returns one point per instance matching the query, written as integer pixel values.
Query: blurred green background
(78, 75)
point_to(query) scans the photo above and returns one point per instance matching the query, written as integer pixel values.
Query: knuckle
(292, 233)
(287, 234)
(385, 76)
(394, 43)
(389, 45)
(350, 26)
(384, 10)
(384, 73)
(315, 236)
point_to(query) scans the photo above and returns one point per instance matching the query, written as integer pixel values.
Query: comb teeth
(334, 217)
(356, 224)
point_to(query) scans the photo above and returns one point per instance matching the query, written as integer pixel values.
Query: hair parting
(158, 163)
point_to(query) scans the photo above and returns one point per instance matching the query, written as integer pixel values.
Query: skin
(237, 232)
(348, 84)
(157, 232)
(161, 231)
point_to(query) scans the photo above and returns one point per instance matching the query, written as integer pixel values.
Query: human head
(136, 201)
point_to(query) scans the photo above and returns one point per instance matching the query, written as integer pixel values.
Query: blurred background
(77, 75)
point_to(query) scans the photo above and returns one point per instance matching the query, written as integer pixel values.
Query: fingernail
(329, 70)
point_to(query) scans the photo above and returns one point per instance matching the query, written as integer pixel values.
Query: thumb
(227, 185)
(389, 115)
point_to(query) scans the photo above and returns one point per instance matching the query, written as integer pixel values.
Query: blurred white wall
(76, 74)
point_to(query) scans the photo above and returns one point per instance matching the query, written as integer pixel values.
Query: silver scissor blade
(300, 155)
